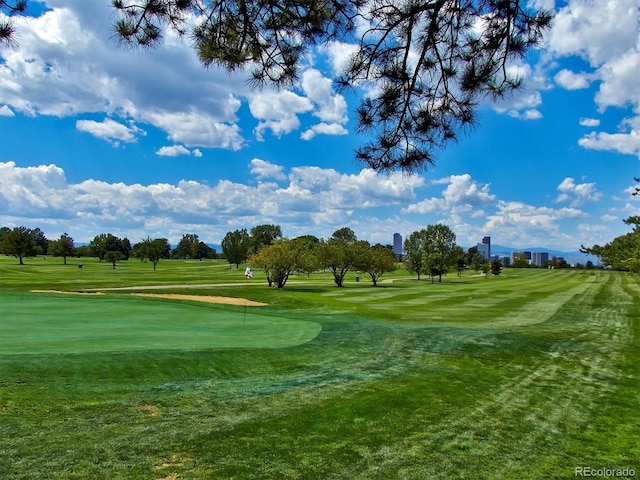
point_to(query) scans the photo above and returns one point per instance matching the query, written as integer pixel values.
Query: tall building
(397, 244)
(484, 248)
(539, 258)
(487, 242)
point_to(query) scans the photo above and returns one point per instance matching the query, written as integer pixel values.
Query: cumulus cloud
(572, 81)
(324, 129)
(173, 151)
(462, 194)
(310, 198)
(605, 35)
(278, 111)
(67, 64)
(589, 122)
(263, 169)
(627, 143)
(332, 107)
(577, 193)
(540, 225)
(109, 130)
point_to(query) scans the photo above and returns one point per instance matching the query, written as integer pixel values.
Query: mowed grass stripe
(384, 393)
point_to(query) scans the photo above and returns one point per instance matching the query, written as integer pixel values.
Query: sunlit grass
(522, 376)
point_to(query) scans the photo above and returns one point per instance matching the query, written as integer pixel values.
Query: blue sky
(95, 138)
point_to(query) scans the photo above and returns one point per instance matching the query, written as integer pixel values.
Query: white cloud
(324, 129)
(67, 63)
(595, 30)
(312, 199)
(173, 151)
(461, 195)
(278, 111)
(263, 169)
(194, 128)
(516, 221)
(339, 54)
(6, 112)
(109, 130)
(619, 85)
(605, 35)
(589, 122)
(572, 81)
(578, 193)
(626, 143)
(332, 107)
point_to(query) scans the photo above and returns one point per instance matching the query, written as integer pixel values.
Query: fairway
(37, 323)
(524, 376)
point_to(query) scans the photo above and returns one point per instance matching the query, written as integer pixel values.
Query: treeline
(23, 242)
(431, 251)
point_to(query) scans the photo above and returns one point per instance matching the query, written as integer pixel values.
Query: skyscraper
(484, 248)
(397, 244)
(487, 242)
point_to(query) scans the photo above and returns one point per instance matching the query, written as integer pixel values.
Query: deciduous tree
(341, 252)
(376, 261)
(153, 250)
(19, 242)
(278, 260)
(262, 235)
(236, 246)
(184, 248)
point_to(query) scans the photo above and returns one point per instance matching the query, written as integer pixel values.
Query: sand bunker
(174, 296)
(204, 298)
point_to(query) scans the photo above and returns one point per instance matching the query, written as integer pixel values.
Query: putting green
(34, 323)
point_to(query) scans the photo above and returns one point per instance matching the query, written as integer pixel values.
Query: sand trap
(203, 298)
(174, 296)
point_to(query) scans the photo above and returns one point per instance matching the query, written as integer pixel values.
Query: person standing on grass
(248, 273)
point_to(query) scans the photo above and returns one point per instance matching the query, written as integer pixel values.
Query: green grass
(523, 376)
(38, 323)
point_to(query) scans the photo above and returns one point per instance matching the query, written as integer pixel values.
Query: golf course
(193, 371)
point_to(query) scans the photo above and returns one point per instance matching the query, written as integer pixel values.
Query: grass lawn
(523, 376)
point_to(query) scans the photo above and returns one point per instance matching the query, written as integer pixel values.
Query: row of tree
(23, 242)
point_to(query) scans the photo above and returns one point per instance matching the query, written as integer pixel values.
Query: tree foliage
(107, 242)
(153, 250)
(236, 246)
(430, 251)
(63, 247)
(376, 261)
(431, 61)
(19, 242)
(341, 252)
(184, 249)
(263, 235)
(280, 259)
(623, 252)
